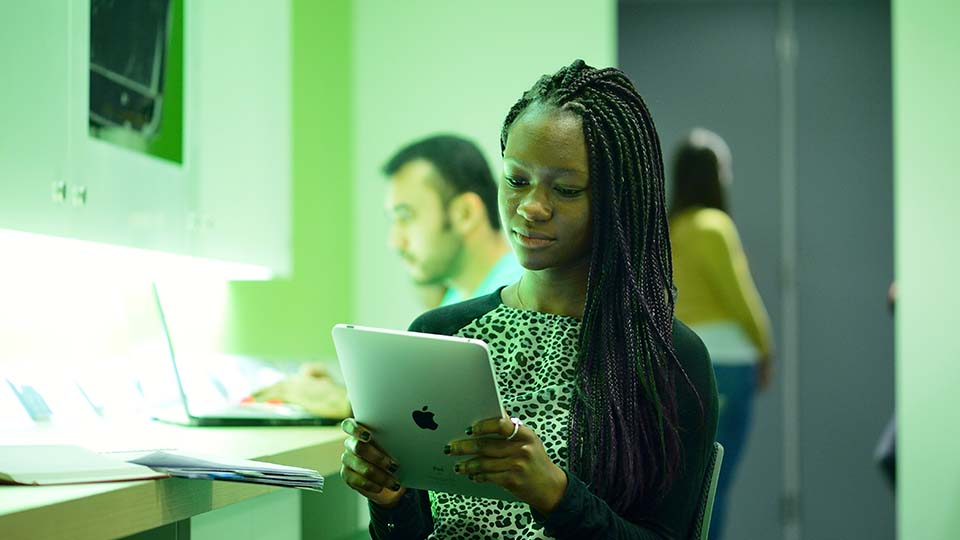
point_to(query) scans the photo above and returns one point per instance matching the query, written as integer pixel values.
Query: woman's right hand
(366, 468)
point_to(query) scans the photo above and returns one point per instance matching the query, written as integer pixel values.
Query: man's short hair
(461, 165)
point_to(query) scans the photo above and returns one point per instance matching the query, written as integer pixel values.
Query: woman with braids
(613, 399)
(718, 298)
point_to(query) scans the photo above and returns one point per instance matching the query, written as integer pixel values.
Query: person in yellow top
(716, 295)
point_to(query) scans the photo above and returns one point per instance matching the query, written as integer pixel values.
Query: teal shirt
(506, 271)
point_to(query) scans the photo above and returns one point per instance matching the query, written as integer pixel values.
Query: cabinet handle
(199, 222)
(80, 196)
(59, 192)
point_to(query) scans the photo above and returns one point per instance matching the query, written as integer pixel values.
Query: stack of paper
(254, 472)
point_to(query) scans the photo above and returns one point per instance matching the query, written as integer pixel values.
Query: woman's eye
(567, 192)
(515, 182)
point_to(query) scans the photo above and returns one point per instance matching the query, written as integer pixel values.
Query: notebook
(226, 413)
(42, 465)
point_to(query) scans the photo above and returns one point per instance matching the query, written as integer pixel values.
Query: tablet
(417, 392)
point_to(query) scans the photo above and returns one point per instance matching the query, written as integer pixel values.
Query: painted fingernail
(365, 436)
(395, 486)
(469, 430)
(393, 467)
(447, 449)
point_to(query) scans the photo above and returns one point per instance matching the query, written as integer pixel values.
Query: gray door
(716, 65)
(845, 264)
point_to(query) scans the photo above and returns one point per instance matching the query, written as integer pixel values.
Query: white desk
(119, 509)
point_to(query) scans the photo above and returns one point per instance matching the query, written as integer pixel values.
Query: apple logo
(424, 419)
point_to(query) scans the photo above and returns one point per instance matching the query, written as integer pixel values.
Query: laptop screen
(204, 382)
(159, 379)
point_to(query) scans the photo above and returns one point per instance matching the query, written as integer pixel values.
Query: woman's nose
(535, 206)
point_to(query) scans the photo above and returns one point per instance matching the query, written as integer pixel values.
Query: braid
(624, 436)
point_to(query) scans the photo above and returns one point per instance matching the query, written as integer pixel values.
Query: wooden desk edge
(132, 507)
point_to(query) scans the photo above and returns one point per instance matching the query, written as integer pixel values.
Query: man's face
(420, 231)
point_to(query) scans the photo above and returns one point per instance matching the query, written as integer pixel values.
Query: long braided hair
(623, 436)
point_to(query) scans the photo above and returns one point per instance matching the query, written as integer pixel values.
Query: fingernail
(446, 449)
(456, 468)
(365, 436)
(469, 430)
(393, 467)
(395, 486)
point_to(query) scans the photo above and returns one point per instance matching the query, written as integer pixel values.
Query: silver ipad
(417, 392)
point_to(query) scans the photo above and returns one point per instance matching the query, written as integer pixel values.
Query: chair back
(701, 518)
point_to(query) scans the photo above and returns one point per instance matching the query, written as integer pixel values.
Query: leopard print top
(534, 358)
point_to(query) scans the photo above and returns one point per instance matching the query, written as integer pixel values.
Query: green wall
(926, 84)
(290, 318)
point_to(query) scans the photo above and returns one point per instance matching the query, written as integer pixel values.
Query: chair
(701, 519)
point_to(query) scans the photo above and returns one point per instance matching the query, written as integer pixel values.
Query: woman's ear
(466, 213)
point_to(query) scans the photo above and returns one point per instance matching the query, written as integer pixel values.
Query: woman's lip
(529, 234)
(531, 242)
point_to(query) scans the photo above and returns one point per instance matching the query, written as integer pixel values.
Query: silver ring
(516, 427)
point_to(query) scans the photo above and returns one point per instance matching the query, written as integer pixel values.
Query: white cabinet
(229, 199)
(239, 102)
(131, 198)
(33, 115)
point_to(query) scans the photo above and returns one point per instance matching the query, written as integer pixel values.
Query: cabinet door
(227, 198)
(34, 41)
(132, 198)
(238, 101)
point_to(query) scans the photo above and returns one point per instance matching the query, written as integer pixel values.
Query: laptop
(417, 392)
(225, 413)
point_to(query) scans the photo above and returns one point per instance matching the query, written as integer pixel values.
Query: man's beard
(439, 274)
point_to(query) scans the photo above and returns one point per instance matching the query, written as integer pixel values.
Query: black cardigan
(581, 514)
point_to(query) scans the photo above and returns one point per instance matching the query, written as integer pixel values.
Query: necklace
(516, 292)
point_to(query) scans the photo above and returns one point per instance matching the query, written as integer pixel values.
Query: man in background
(442, 203)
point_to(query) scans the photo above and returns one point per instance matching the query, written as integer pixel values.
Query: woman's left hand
(520, 465)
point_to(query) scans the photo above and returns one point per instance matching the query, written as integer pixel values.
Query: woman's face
(544, 193)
